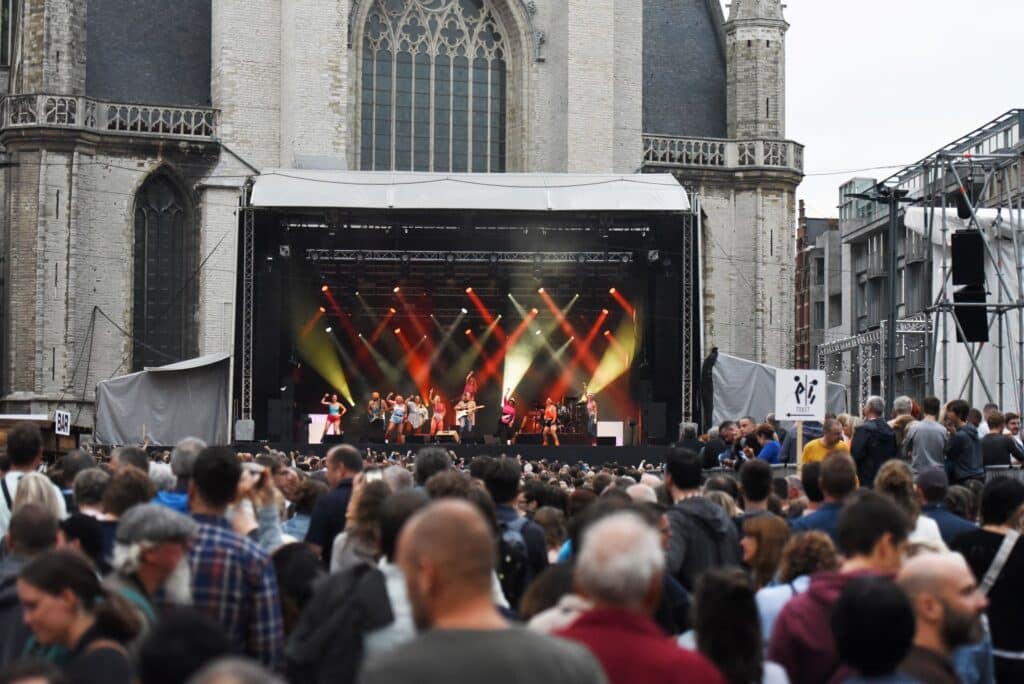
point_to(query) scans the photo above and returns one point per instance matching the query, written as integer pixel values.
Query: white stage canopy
(469, 191)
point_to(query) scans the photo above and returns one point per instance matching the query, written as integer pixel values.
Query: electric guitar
(459, 415)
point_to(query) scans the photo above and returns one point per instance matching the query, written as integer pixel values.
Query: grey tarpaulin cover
(744, 388)
(186, 399)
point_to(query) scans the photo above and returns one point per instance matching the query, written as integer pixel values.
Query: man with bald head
(619, 570)
(948, 607)
(447, 552)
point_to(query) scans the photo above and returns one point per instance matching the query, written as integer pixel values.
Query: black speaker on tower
(973, 320)
(968, 256)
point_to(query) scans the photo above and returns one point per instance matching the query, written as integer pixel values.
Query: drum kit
(572, 417)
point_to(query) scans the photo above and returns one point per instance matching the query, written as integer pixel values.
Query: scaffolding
(984, 167)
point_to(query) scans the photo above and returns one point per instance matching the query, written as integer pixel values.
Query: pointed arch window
(165, 296)
(433, 86)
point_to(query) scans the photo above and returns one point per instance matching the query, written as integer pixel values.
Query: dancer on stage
(471, 387)
(550, 422)
(335, 410)
(437, 421)
(591, 415)
(417, 413)
(506, 429)
(376, 410)
(399, 413)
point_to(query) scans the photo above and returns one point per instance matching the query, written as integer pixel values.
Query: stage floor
(630, 456)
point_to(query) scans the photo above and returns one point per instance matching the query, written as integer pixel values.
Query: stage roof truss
(401, 256)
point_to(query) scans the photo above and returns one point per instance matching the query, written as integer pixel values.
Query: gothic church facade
(130, 127)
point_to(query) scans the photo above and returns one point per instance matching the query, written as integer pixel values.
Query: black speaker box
(968, 258)
(605, 441)
(973, 319)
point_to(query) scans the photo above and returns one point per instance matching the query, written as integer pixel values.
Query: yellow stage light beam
(315, 347)
(617, 358)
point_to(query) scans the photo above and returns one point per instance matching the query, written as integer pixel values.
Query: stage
(549, 286)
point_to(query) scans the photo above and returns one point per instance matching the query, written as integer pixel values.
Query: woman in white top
(896, 481)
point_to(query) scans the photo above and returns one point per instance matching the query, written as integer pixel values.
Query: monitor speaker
(968, 258)
(606, 441)
(973, 320)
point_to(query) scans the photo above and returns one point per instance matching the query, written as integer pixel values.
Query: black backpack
(513, 561)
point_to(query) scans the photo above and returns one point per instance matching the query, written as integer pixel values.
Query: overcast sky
(883, 82)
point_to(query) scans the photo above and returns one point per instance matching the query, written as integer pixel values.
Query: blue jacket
(770, 452)
(950, 524)
(825, 519)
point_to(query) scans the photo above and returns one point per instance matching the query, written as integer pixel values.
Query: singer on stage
(335, 410)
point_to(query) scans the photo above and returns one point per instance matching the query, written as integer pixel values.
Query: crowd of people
(887, 558)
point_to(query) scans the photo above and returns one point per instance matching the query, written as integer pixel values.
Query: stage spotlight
(284, 388)
(607, 333)
(469, 290)
(328, 329)
(537, 333)
(392, 310)
(572, 338)
(324, 288)
(499, 317)
(468, 332)
(464, 311)
(360, 335)
(540, 290)
(612, 291)
(357, 293)
(534, 311)
(323, 310)
(397, 289)
(398, 331)
(604, 311)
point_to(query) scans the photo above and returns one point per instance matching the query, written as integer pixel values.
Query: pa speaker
(245, 430)
(973, 320)
(605, 441)
(968, 258)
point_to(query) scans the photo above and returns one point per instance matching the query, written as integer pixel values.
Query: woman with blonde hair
(896, 481)
(723, 499)
(849, 423)
(36, 488)
(764, 537)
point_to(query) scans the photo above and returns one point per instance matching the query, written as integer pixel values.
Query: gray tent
(186, 399)
(744, 388)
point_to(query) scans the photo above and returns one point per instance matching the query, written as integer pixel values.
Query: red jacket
(633, 650)
(802, 640)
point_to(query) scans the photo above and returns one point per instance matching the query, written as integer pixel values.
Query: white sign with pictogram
(62, 423)
(800, 395)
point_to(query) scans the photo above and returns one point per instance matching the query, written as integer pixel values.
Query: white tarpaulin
(1000, 276)
(468, 191)
(186, 399)
(744, 388)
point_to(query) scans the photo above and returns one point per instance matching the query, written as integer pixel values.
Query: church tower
(755, 39)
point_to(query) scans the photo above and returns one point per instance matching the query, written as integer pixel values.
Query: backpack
(514, 561)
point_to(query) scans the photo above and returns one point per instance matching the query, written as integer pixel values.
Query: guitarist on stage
(465, 414)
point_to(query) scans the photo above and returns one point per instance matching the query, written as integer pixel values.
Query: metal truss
(870, 345)
(399, 256)
(690, 308)
(248, 279)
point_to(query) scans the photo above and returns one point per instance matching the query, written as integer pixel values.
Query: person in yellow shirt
(831, 440)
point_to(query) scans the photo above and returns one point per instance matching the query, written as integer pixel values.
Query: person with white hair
(151, 554)
(641, 493)
(619, 569)
(183, 457)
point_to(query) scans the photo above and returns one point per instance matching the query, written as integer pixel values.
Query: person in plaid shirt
(233, 580)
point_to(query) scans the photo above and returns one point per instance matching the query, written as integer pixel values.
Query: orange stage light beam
(580, 354)
(484, 312)
(382, 326)
(492, 363)
(626, 306)
(307, 328)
